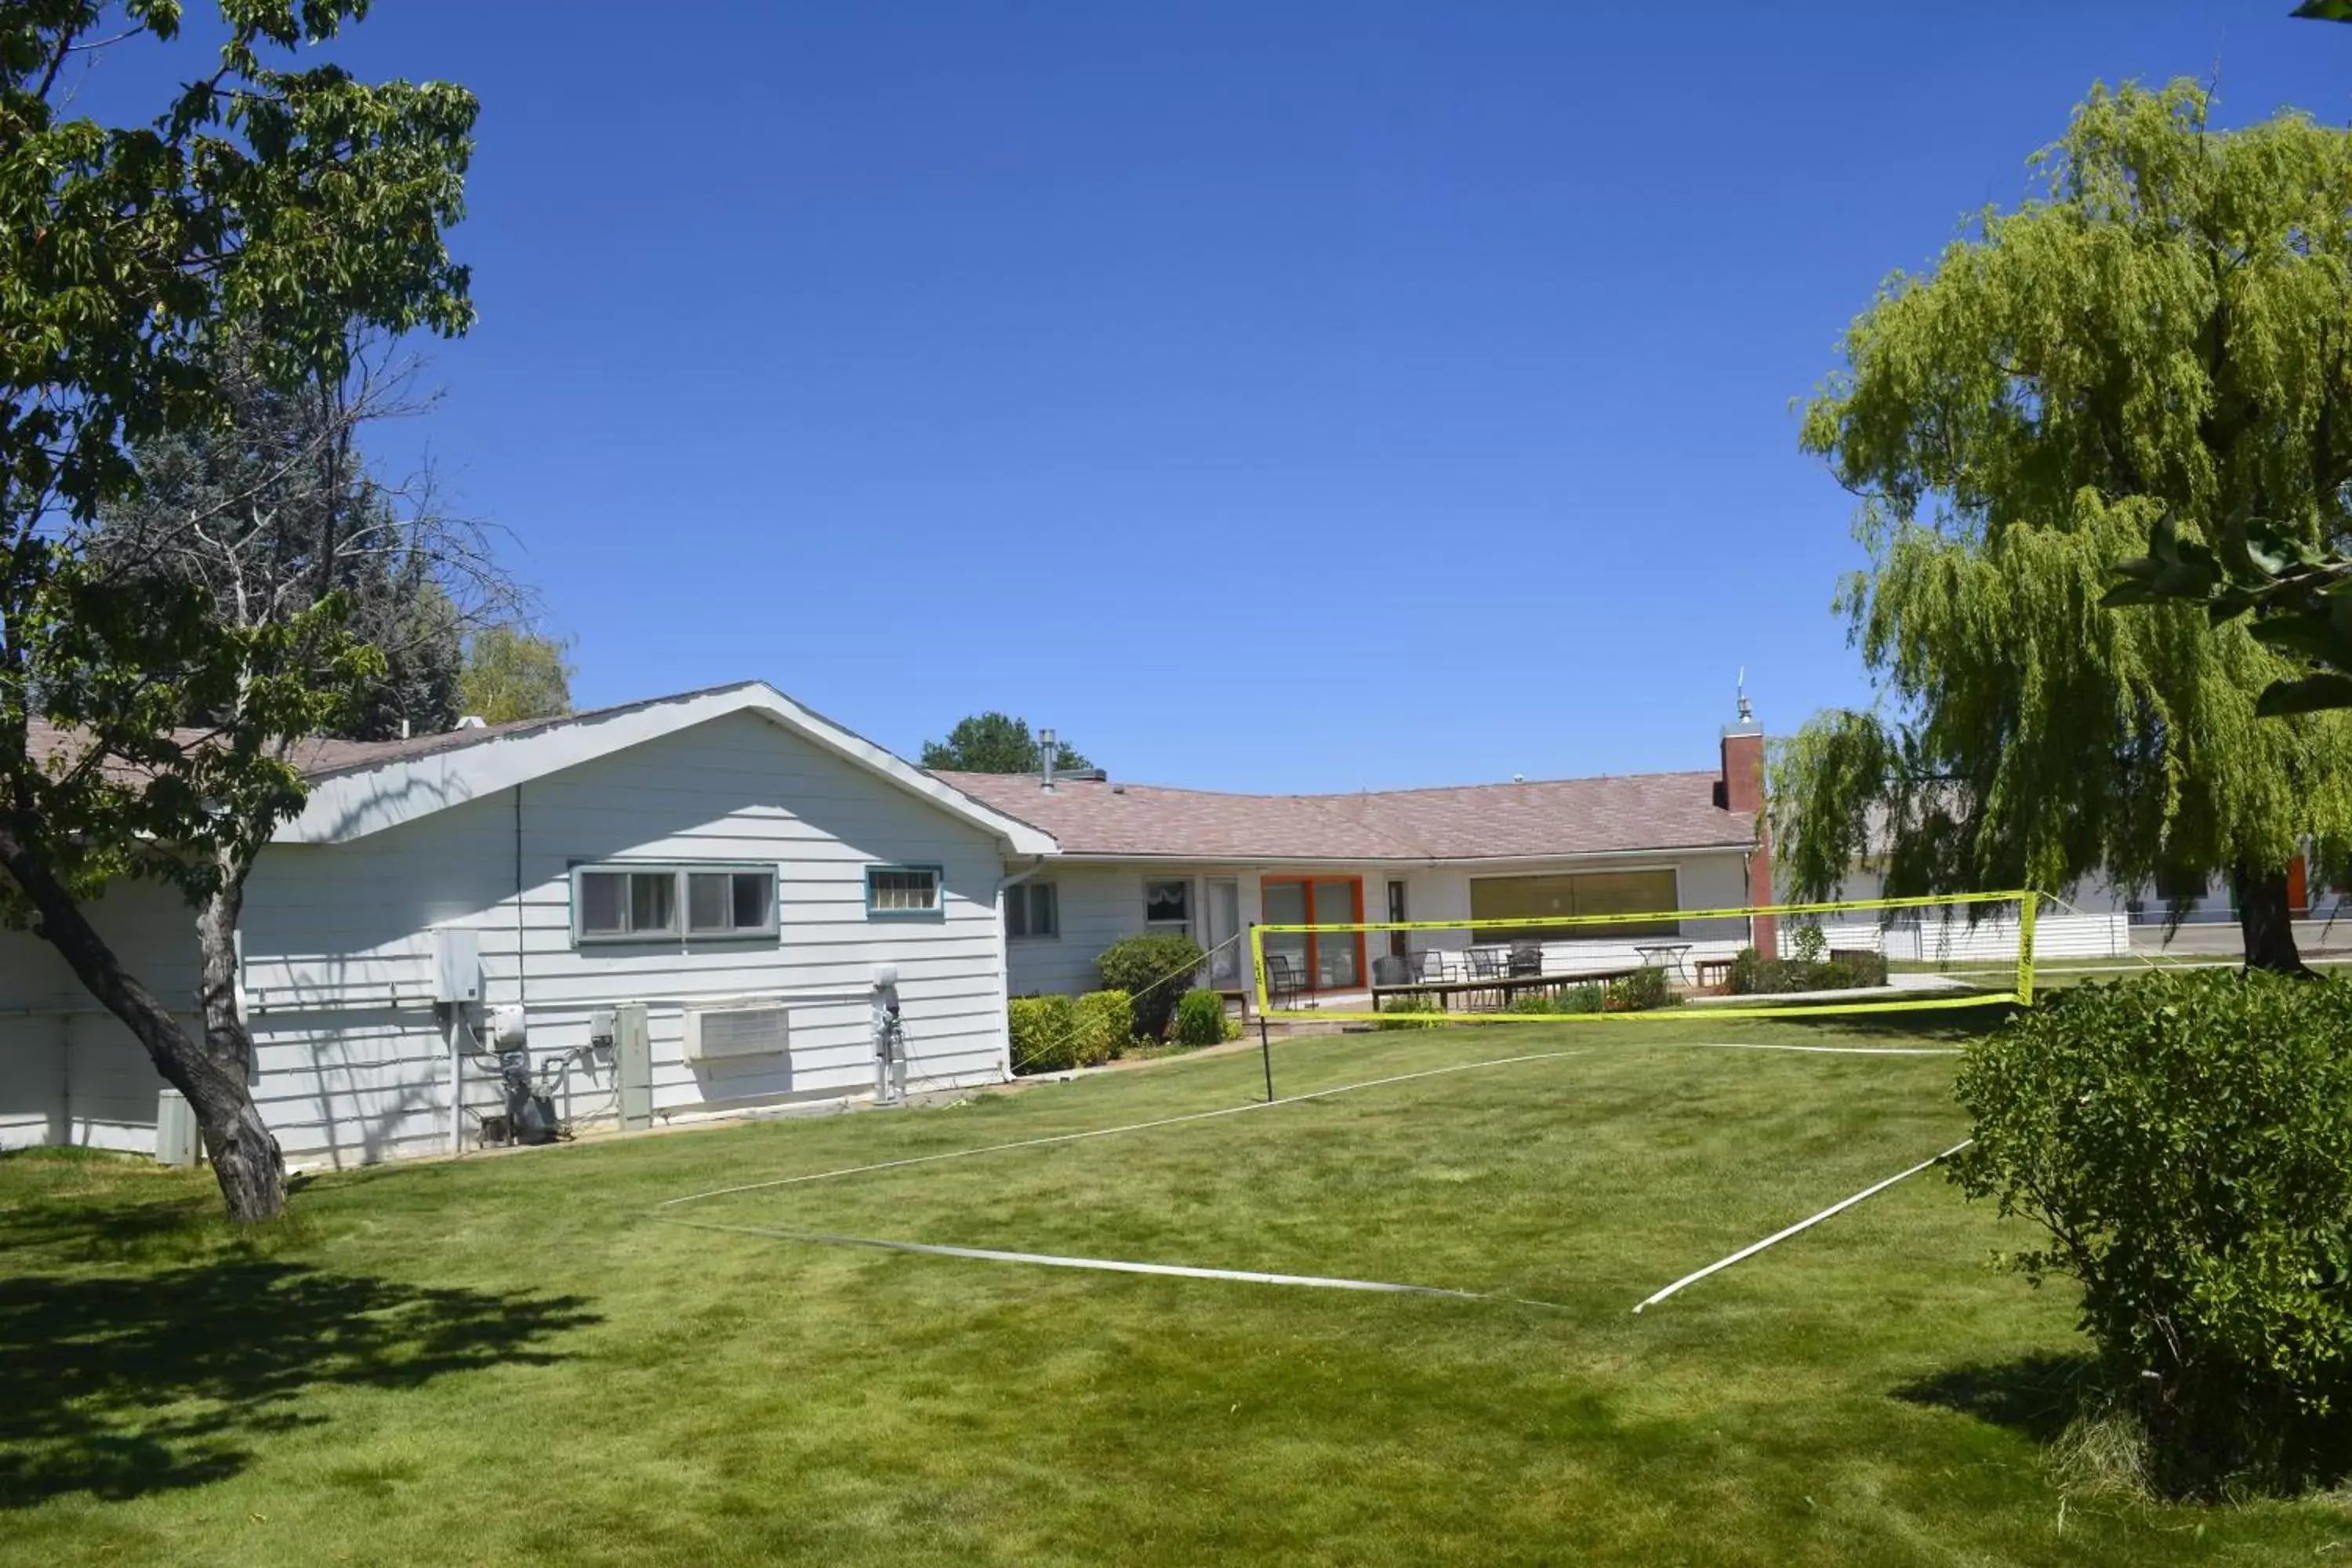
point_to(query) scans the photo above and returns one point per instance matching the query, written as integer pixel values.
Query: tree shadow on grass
(129, 1386)
(2037, 1395)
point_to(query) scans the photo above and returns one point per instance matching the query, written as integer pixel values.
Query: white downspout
(1004, 963)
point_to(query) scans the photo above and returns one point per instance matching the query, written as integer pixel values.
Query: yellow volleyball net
(1776, 960)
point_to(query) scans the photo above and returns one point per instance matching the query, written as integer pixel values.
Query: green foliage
(1044, 1032)
(1103, 1019)
(1201, 1020)
(1640, 992)
(512, 674)
(2159, 334)
(1808, 944)
(2186, 1141)
(1752, 975)
(1156, 970)
(996, 744)
(279, 209)
(1411, 1011)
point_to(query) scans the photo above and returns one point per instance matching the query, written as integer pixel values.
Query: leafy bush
(1591, 998)
(1410, 1012)
(1105, 1019)
(1853, 971)
(1533, 1003)
(1153, 971)
(1045, 1033)
(1752, 975)
(1808, 944)
(2186, 1141)
(1200, 1019)
(1640, 992)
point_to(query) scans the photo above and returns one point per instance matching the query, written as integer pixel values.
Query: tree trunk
(225, 1037)
(2265, 922)
(246, 1158)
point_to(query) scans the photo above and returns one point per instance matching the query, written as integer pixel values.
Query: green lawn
(507, 1361)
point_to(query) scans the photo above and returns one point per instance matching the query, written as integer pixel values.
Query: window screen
(1581, 893)
(643, 904)
(1032, 909)
(724, 903)
(902, 890)
(1167, 906)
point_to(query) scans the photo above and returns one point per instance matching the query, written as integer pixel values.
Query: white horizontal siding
(336, 940)
(1099, 904)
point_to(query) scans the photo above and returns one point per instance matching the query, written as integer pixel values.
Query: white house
(724, 852)
(1138, 858)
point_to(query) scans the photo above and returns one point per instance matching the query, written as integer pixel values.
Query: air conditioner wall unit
(731, 1030)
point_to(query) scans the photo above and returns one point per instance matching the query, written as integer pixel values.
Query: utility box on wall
(633, 1066)
(456, 965)
(176, 1141)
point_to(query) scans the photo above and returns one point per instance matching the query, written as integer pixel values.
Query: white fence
(1951, 939)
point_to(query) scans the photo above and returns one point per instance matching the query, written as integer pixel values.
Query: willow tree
(2164, 331)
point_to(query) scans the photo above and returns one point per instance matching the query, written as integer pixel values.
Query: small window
(902, 892)
(652, 903)
(1032, 909)
(731, 903)
(628, 905)
(1168, 907)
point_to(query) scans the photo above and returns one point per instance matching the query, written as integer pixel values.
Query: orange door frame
(1314, 941)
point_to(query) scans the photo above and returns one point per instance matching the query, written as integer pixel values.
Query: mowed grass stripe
(501, 1360)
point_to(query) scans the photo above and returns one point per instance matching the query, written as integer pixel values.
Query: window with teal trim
(903, 892)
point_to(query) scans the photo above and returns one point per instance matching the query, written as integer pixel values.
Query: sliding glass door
(1326, 961)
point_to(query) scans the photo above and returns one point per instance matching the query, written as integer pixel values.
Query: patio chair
(1527, 958)
(1488, 964)
(1388, 969)
(1429, 966)
(1284, 982)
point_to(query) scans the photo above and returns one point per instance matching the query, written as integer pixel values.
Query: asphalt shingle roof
(1531, 820)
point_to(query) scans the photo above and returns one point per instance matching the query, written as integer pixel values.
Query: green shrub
(1589, 998)
(1154, 970)
(1752, 975)
(1045, 1033)
(1532, 1003)
(1853, 971)
(2186, 1141)
(1640, 992)
(1808, 944)
(1105, 1019)
(1410, 1012)
(1200, 1019)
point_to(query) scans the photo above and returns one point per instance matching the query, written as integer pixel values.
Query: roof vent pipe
(1046, 754)
(473, 721)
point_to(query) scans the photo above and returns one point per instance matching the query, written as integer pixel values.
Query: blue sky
(1272, 397)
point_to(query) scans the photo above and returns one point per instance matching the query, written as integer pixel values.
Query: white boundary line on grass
(1105, 1265)
(1780, 1235)
(1816, 1050)
(1130, 1127)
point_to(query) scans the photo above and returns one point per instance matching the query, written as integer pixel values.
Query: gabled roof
(359, 787)
(1537, 819)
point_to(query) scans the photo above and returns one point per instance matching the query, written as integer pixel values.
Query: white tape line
(1103, 1265)
(1818, 1050)
(1109, 1131)
(1802, 1224)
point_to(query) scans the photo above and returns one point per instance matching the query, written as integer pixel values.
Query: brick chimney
(1742, 789)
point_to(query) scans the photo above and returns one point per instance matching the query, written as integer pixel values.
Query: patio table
(1665, 956)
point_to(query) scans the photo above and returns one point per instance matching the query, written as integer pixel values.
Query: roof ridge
(1312, 796)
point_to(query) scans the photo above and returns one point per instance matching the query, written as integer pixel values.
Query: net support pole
(1257, 976)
